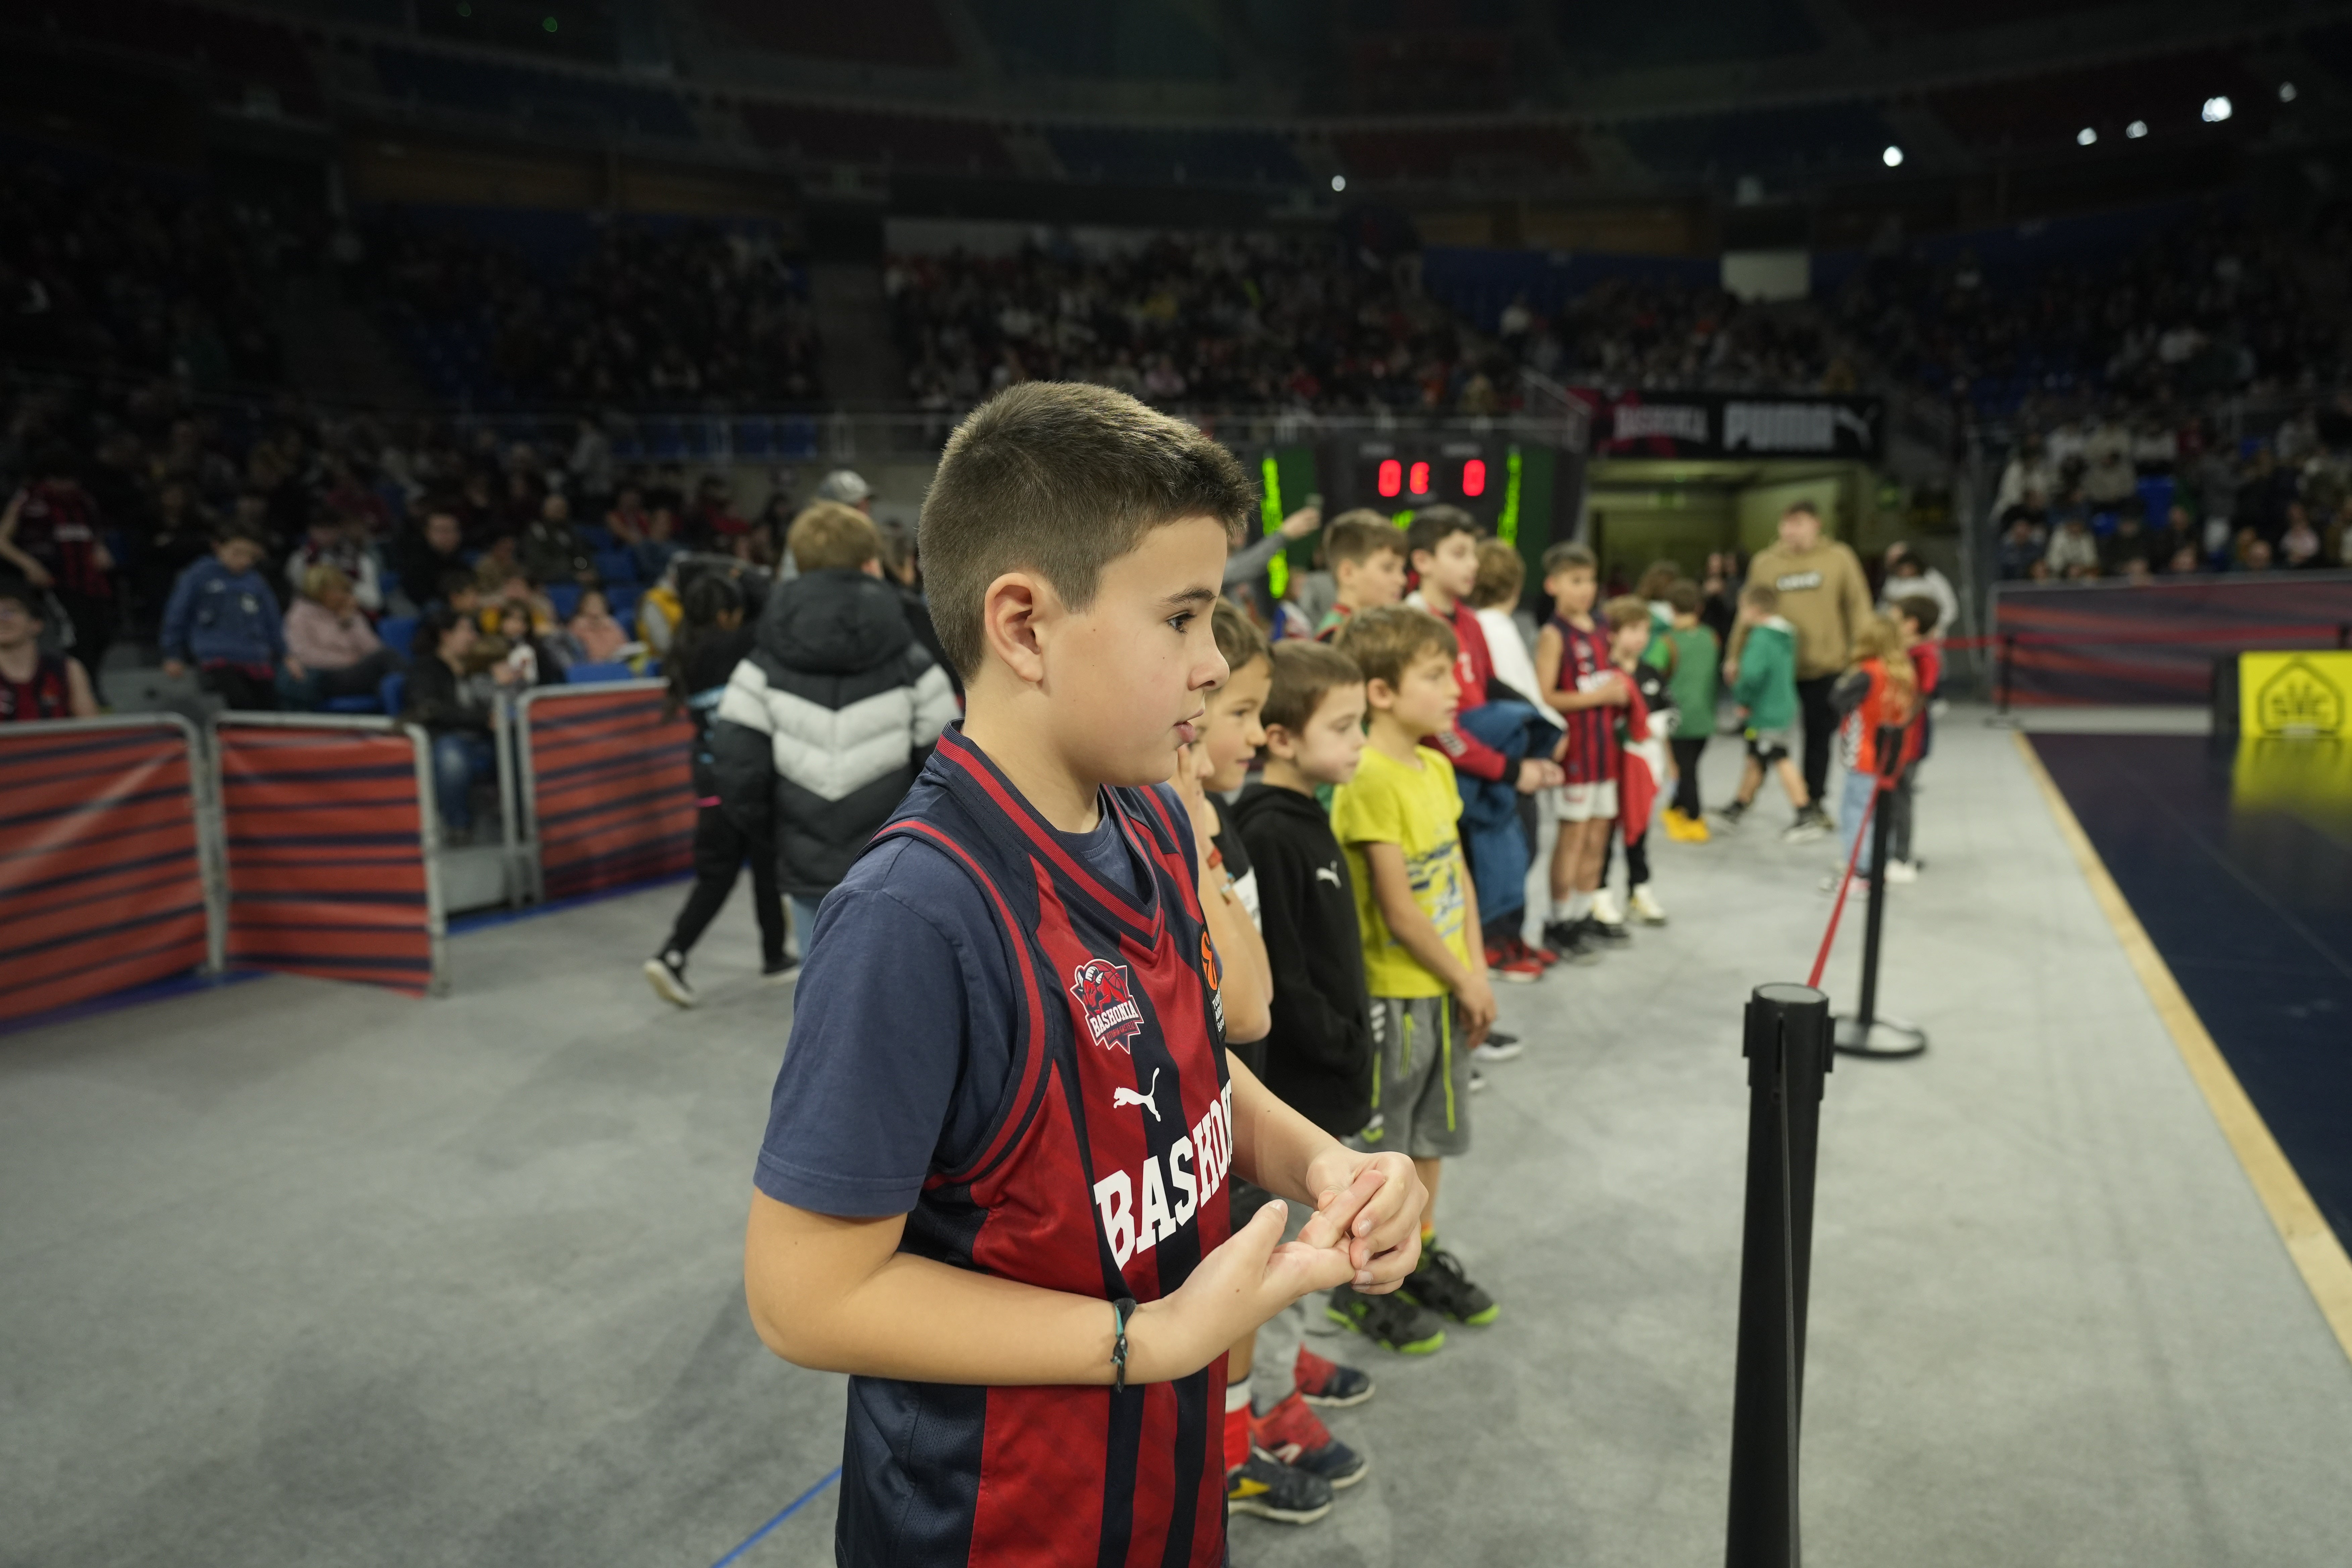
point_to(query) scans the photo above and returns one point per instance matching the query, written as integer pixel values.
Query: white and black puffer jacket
(825, 723)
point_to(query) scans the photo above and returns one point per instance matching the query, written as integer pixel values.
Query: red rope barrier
(1821, 958)
(2165, 635)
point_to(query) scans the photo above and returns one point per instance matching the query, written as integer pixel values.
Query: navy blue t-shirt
(905, 960)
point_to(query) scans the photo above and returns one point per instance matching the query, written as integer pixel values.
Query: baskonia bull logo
(1112, 1016)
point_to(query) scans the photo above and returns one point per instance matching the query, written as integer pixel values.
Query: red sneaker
(1507, 963)
(1542, 955)
(1327, 1384)
(1297, 1435)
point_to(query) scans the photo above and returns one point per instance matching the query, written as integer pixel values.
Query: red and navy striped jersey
(46, 693)
(1102, 1174)
(57, 526)
(1592, 754)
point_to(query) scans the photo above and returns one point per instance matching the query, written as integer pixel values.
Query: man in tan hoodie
(1825, 596)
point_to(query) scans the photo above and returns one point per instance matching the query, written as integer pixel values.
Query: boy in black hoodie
(1319, 1058)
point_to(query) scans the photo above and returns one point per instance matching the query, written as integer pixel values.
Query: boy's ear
(1414, 562)
(1378, 694)
(1279, 743)
(1016, 617)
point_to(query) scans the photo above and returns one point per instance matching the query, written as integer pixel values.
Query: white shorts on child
(1586, 802)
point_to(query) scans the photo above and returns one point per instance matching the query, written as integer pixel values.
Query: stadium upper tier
(1464, 99)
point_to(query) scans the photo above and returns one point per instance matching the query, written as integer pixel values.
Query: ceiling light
(2136, 130)
(2217, 110)
(1892, 157)
(1339, 181)
(2286, 92)
(2085, 136)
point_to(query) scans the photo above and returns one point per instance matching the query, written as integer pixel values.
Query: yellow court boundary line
(2316, 1252)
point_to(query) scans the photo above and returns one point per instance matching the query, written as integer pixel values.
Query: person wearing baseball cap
(847, 486)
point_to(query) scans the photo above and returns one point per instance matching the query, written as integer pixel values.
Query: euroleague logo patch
(1210, 967)
(1112, 1016)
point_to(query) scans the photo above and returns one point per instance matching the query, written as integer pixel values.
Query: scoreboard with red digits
(1483, 477)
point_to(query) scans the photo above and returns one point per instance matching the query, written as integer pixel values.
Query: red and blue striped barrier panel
(2130, 643)
(101, 860)
(326, 832)
(609, 791)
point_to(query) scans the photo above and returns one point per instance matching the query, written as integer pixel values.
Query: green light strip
(1270, 507)
(1506, 522)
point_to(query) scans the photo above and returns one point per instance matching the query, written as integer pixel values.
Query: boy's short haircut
(1237, 635)
(1682, 597)
(234, 530)
(1625, 610)
(830, 537)
(1060, 479)
(1568, 557)
(1304, 674)
(1357, 536)
(1433, 525)
(1761, 596)
(1804, 508)
(455, 581)
(1501, 575)
(1920, 611)
(1656, 578)
(1385, 642)
(23, 593)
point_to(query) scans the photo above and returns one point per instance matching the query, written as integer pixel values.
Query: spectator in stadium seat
(454, 706)
(2073, 549)
(2107, 476)
(2128, 542)
(549, 547)
(329, 637)
(593, 635)
(1907, 572)
(2029, 472)
(430, 554)
(52, 533)
(223, 620)
(2299, 546)
(35, 685)
(336, 540)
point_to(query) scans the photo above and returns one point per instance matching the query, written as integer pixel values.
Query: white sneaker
(1478, 1078)
(1902, 871)
(666, 972)
(1807, 827)
(1644, 908)
(1487, 1051)
(1605, 911)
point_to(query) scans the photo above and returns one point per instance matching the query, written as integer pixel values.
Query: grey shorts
(1768, 746)
(1421, 1080)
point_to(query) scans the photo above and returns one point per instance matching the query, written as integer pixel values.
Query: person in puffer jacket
(827, 720)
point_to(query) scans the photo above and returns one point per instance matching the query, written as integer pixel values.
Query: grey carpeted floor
(297, 1273)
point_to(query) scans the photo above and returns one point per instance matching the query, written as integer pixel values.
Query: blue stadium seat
(621, 598)
(365, 702)
(393, 693)
(565, 597)
(581, 674)
(596, 536)
(615, 566)
(397, 632)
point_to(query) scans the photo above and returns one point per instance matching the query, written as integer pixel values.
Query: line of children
(1576, 672)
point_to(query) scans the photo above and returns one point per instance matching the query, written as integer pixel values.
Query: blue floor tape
(791, 1508)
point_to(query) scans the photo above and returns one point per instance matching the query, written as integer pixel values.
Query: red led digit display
(1420, 479)
(1473, 477)
(1391, 476)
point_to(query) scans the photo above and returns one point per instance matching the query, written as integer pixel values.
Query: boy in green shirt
(1418, 917)
(1691, 658)
(1766, 690)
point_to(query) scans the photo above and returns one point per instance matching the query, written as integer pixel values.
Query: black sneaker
(1440, 1285)
(666, 973)
(1389, 1321)
(1610, 932)
(1265, 1486)
(1567, 938)
(1729, 815)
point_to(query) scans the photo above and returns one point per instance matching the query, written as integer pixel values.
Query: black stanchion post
(2008, 653)
(1866, 1034)
(1787, 1046)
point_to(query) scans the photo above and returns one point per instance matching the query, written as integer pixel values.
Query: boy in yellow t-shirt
(1431, 1002)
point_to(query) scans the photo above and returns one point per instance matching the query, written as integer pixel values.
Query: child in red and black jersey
(51, 532)
(1579, 680)
(1917, 616)
(35, 685)
(994, 1184)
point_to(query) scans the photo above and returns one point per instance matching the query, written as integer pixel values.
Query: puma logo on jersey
(1327, 874)
(1172, 1187)
(1144, 1097)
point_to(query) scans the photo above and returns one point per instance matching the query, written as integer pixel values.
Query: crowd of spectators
(1193, 320)
(1630, 332)
(2135, 496)
(665, 316)
(110, 277)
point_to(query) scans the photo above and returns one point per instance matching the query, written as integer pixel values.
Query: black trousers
(1898, 816)
(1686, 750)
(721, 848)
(239, 688)
(1820, 729)
(1637, 855)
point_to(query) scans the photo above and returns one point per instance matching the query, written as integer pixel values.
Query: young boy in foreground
(1577, 677)
(1319, 1058)
(1418, 917)
(992, 1187)
(1367, 557)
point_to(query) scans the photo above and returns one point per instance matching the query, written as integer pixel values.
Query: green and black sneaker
(1440, 1285)
(1389, 1321)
